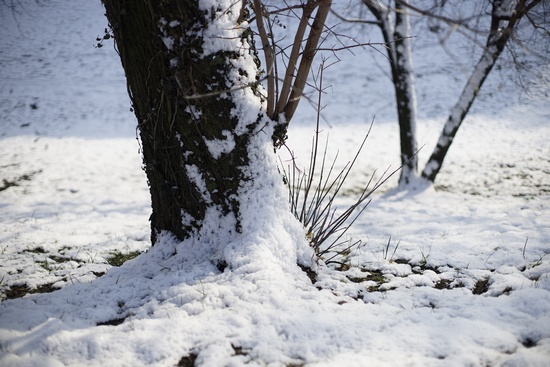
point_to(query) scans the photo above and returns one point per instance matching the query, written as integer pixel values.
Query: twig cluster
(284, 92)
(312, 195)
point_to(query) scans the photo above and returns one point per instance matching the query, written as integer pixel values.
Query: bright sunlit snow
(451, 275)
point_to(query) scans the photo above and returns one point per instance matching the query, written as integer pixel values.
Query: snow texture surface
(451, 275)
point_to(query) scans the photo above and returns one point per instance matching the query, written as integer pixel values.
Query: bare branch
(307, 57)
(281, 10)
(269, 57)
(537, 25)
(347, 47)
(450, 21)
(353, 20)
(220, 92)
(294, 56)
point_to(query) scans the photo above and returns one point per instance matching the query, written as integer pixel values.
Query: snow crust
(81, 195)
(195, 175)
(222, 34)
(217, 147)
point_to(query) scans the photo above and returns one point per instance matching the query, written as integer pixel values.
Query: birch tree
(505, 16)
(398, 46)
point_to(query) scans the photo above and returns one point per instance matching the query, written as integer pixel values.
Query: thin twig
(230, 90)
(307, 58)
(269, 56)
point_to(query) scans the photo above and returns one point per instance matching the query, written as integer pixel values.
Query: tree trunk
(459, 111)
(398, 46)
(403, 80)
(186, 94)
(496, 41)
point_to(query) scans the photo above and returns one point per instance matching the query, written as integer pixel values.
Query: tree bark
(194, 141)
(398, 46)
(496, 41)
(403, 79)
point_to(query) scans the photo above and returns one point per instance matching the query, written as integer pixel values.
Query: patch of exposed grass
(378, 278)
(19, 291)
(443, 284)
(113, 322)
(375, 276)
(310, 273)
(36, 250)
(481, 286)
(118, 258)
(44, 288)
(6, 184)
(62, 259)
(187, 361)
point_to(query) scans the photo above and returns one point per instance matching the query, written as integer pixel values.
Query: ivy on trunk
(194, 141)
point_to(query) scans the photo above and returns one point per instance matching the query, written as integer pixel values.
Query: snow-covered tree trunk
(502, 11)
(207, 146)
(398, 45)
(181, 58)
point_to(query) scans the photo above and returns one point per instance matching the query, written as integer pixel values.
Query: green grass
(118, 258)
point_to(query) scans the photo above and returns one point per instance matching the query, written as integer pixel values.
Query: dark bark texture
(181, 100)
(402, 77)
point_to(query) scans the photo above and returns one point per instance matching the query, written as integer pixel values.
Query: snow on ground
(457, 276)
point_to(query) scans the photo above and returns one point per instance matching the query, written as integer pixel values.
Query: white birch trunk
(502, 11)
(406, 95)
